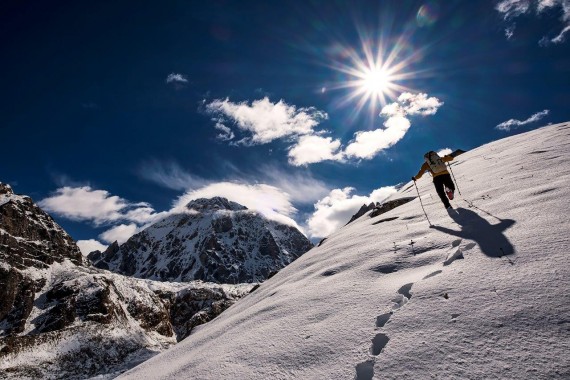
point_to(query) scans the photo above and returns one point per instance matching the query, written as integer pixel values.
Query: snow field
(481, 294)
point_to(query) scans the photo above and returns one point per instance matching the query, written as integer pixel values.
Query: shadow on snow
(488, 236)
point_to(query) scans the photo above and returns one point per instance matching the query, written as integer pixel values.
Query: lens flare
(374, 75)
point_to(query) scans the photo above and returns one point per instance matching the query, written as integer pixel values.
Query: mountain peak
(5, 189)
(214, 204)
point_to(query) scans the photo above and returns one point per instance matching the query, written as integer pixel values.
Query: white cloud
(170, 175)
(513, 123)
(268, 200)
(367, 145)
(444, 152)
(311, 149)
(97, 206)
(335, 210)
(512, 9)
(264, 120)
(88, 246)
(120, 233)
(83, 203)
(418, 104)
(176, 78)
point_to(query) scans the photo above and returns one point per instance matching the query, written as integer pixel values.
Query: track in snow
(365, 370)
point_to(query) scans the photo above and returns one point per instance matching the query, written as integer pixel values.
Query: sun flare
(374, 76)
(375, 81)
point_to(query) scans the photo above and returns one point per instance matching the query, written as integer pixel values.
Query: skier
(441, 177)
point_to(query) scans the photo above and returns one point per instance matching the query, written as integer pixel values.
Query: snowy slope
(215, 240)
(483, 294)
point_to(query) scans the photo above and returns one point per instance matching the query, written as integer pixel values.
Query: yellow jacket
(425, 167)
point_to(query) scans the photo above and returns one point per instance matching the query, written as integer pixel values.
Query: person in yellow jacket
(441, 177)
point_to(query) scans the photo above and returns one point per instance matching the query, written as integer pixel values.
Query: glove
(414, 179)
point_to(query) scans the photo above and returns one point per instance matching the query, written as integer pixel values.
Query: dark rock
(390, 205)
(363, 210)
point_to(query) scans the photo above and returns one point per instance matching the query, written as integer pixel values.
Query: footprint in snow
(382, 319)
(365, 370)
(378, 343)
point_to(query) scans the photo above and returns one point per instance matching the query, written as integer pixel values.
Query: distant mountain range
(213, 240)
(62, 318)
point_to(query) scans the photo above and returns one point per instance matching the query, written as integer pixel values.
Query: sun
(375, 81)
(374, 75)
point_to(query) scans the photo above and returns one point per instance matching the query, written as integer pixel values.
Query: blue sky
(113, 115)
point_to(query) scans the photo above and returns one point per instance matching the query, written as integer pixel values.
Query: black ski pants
(439, 182)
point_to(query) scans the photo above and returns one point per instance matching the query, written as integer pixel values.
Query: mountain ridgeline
(61, 318)
(213, 240)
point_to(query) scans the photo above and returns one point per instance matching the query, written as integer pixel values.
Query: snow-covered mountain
(215, 240)
(62, 319)
(482, 294)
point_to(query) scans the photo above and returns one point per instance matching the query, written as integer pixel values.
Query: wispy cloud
(176, 78)
(170, 175)
(263, 121)
(514, 123)
(300, 185)
(335, 210)
(512, 9)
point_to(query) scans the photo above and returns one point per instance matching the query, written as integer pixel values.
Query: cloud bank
(513, 123)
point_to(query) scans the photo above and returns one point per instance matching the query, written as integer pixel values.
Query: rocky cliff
(61, 318)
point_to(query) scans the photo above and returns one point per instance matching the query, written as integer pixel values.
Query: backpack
(435, 162)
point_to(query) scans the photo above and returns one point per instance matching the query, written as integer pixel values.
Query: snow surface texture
(483, 294)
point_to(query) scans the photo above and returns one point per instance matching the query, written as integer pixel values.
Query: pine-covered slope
(215, 240)
(62, 319)
(482, 294)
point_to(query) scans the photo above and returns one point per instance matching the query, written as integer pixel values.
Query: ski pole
(419, 196)
(456, 184)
